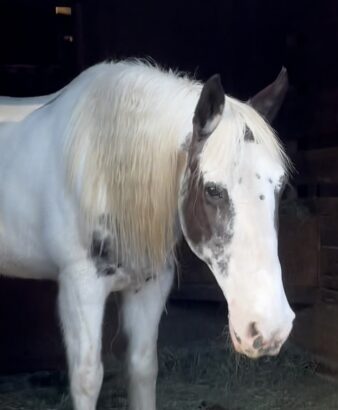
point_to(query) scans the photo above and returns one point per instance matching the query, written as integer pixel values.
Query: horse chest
(22, 264)
(22, 248)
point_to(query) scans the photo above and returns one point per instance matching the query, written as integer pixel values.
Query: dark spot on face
(148, 278)
(223, 266)
(258, 176)
(270, 180)
(253, 331)
(261, 197)
(278, 194)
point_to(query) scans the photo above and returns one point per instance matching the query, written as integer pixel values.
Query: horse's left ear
(269, 100)
(209, 109)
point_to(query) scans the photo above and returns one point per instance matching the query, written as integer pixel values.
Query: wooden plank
(328, 231)
(328, 220)
(320, 166)
(329, 282)
(327, 206)
(299, 250)
(300, 295)
(329, 296)
(329, 261)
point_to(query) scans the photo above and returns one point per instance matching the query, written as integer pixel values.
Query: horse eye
(214, 191)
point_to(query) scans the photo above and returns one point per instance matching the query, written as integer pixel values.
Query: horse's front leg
(82, 295)
(142, 311)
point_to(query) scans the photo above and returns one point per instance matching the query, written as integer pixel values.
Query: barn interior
(46, 43)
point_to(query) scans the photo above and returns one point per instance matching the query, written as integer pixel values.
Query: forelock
(224, 148)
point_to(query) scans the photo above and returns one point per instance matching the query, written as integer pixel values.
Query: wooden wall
(317, 162)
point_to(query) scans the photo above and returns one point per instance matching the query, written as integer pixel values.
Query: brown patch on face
(197, 216)
(204, 210)
(205, 219)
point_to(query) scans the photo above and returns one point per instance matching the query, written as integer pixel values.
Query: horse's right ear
(209, 109)
(269, 100)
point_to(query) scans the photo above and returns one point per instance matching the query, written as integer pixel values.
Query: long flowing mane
(123, 154)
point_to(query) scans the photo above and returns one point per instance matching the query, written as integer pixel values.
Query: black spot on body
(100, 246)
(261, 197)
(103, 254)
(258, 176)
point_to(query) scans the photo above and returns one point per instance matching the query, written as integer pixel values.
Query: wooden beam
(319, 166)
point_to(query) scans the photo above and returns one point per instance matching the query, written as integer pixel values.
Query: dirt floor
(198, 371)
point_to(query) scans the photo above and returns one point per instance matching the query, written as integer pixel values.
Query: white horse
(98, 184)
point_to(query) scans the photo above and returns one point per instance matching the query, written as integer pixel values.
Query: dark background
(247, 42)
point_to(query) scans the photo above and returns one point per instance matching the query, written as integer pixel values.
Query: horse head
(228, 206)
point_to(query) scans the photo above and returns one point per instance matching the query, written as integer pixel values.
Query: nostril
(253, 331)
(258, 342)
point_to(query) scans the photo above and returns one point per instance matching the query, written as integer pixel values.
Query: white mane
(224, 148)
(124, 136)
(123, 152)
